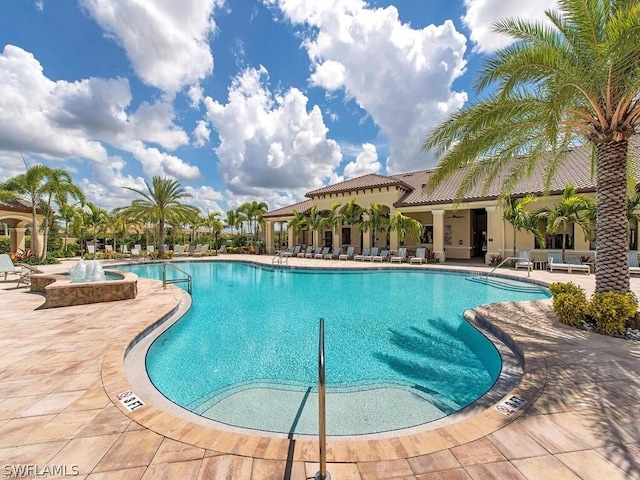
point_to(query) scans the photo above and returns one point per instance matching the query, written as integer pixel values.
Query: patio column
(393, 236)
(438, 234)
(269, 236)
(495, 233)
(16, 238)
(366, 236)
(337, 236)
(290, 237)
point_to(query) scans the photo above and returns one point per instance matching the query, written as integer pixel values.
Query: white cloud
(195, 94)
(401, 76)
(106, 187)
(206, 198)
(40, 5)
(167, 41)
(65, 120)
(201, 134)
(270, 143)
(366, 162)
(481, 15)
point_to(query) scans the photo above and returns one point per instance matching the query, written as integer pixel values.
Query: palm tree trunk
(161, 239)
(612, 272)
(34, 229)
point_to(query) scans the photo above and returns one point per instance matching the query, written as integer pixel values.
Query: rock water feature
(87, 272)
(85, 283)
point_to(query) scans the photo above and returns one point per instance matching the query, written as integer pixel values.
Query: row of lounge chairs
(570, 264)
(373, 254)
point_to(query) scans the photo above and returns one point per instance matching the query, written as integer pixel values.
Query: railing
(322, 433)
(166, 281)
(279, 258)
(508, 259)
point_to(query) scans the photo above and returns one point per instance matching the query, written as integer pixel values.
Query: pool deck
(61, 368)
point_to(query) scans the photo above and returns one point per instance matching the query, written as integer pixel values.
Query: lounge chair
(124, 251)
(555, 262)
(372, 253)
(384, 254)
(150, 249)
(365, 253)
(524, 260)
(317, 251)
(576, 264)
(632, 259)
(222, 249)
(323, 252)
(8, 268)
(135, 252)
(178, 250)
(420, 256)
(333, 255)
(401, 257)
(348, 255)
(309, 250)
(201, 250)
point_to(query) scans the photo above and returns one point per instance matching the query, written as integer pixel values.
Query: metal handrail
(278, 258)
(529, 267)
(188, 280)
(322, 433)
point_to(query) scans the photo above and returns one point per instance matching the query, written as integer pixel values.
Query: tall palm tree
(572, 208)
(253, 212)
(69, 214)
(405, 226)
(58, 188)
(577, 79)
(298, 222)
(213, 222)
(96, 219)
(378, 220)
(30, 186)
(162, 203)
(314, 221)
(515, 212)
(334, 219)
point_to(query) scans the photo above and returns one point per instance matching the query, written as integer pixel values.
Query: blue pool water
(398, 352)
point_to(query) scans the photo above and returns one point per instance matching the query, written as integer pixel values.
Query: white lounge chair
(420, 255)
(317, 251)
(632, 259)
(384, 255)
(348, 255)
(308, 250)
(365, 253)
(555, 262)
(8, 268)
(323, 252)
(333, 255)
(524, 260)
(401, 257)
(372, 253)
(292, 252)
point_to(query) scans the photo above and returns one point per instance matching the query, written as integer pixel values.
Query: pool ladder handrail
(166, 281)
(322, 474)
(529, 267)
(280, 258)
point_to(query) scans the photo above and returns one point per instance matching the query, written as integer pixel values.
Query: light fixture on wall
(455, 216)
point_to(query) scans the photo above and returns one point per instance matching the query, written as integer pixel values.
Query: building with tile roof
(454, 228)
(16, 217)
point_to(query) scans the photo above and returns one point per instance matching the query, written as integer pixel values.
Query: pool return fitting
(322, 425)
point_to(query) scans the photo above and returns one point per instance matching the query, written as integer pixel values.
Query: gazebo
(17, 216)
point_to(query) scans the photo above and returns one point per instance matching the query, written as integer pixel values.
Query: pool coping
(407, 443)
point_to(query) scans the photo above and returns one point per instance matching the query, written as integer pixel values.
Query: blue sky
(238, 100)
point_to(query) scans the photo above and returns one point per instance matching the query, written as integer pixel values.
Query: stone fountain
(87, 272)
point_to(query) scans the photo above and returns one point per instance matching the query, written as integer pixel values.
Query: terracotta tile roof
(575, 169)
(372, 180)
(16, 206)
(288, 211)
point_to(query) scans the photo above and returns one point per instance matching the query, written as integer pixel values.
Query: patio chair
(576, 264)
(178, 250)
(8, 268)
(200, 251)
(135, 252)
(150, 249)
(555, 261)
(524, 260)
(333, 255)
(420, 256)
(193, 249)
(222, 249)
(124, 250)
(401, 256)
(108, 251)
(372, 253)
(365, 253)
(91, 249)
(348, 255)
(313, 253)
(632, 259)
(308, 250)
(323, 252)
(384, 255)
(292, 252)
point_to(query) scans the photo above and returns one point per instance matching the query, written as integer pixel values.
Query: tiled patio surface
(61, 368)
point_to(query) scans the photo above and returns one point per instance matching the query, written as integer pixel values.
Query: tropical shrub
(495, 260)
(611, 310)
(571, 305)
(431, 257)
(5, 245)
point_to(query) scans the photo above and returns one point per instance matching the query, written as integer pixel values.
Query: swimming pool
(398, 352)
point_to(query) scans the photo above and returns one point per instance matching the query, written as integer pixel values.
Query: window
(304, 237)
(346, 236)
(554, 241)
(427, 235)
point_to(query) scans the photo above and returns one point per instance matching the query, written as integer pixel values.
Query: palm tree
(405, 226)
(59, 187)
(298, 222)
(572, 209)
(515, 212)
(577, 79)
(314, 221)
(68, 214)
(213, 222)
(253, 212)
(161, 204)
(378, 221)
(97, 218)
(30, 185)
(334, 219)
